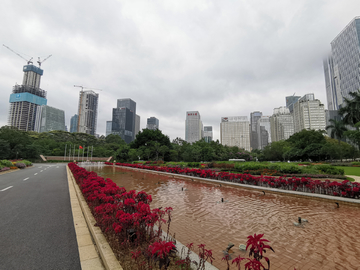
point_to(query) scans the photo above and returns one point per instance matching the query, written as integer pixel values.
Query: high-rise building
(88, 108)
(282, 124)
(254, 137)
(108, 128)
(193, 127)
(208, 134)
(341, 68)
(26, 99)
(137, 125)
(74, 123)
(152, 123)
(234, 131)
(49, 118)
(290, 101)
(308, 114)
(263, 131)
(124, 119)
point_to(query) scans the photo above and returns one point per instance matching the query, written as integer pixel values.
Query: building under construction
(26, 99)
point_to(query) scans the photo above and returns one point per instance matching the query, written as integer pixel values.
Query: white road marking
(26, 179)
(35, 173)
(6, 188)
(41, 170)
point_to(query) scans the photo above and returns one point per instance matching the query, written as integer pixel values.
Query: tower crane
(28, 61)
(83, 87)
(39, 62)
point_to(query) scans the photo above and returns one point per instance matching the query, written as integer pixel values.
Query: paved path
(356, 178)
(36, 222)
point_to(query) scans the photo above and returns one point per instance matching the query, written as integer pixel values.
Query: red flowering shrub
(125, 217)
(303, 184)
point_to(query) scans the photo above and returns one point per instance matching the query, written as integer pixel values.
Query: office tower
(290, 101)
(308, 114)
(74, 123)
(263, 131)
(282, 124)
(152, 123)
(193, 127)
(108, 128)
(124, 119)
(235, 131)
(26, 98)
(208, 134)
(254, 137)
(137, 125)
(88, 107)
(341, 68)
(49, 118)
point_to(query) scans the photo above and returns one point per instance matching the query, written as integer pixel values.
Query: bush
(328, 169)
(26, 162)
(6, 163)
(20, 165)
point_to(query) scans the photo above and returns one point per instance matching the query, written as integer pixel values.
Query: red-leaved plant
(257, 247)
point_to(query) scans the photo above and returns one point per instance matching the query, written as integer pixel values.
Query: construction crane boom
(83, 87)
(28, 61)
(39, 62)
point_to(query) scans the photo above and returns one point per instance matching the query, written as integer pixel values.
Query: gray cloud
(220, 58)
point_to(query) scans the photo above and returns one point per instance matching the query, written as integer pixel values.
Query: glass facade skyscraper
(342, 67)
(74, 123)
(124, 119)
(208, 134)
(254, 138)
(49, 118)
(152, 123)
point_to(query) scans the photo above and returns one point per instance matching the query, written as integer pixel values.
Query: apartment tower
(88, 109)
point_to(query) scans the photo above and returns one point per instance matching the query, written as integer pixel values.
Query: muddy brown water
(330, 240)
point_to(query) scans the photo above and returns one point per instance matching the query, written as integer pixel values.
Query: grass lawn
(350, 170)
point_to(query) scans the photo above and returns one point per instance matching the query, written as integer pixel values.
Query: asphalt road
(36, 223)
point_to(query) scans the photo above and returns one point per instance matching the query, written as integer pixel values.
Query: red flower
(161, 249)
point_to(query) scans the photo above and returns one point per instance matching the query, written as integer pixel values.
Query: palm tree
(351, 110)
(337, 129)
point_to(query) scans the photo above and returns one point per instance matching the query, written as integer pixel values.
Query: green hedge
(328, 169)
(6, 163)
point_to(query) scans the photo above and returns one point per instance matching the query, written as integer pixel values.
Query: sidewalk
(356, 178)
(95, 253)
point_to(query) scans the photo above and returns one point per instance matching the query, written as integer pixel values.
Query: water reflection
(330, 240)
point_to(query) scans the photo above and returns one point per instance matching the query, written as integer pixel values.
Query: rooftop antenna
(28, 61)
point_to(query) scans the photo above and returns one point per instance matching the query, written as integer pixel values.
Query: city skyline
(247, 59)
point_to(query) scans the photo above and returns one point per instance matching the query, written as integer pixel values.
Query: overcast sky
(221, 58)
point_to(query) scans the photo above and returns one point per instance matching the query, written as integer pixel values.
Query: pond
(330, 240)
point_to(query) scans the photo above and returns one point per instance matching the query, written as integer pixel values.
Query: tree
(4, 149)
(351, 110)
(337, 129)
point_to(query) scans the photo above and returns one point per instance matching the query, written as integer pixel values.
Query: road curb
(107, 256)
